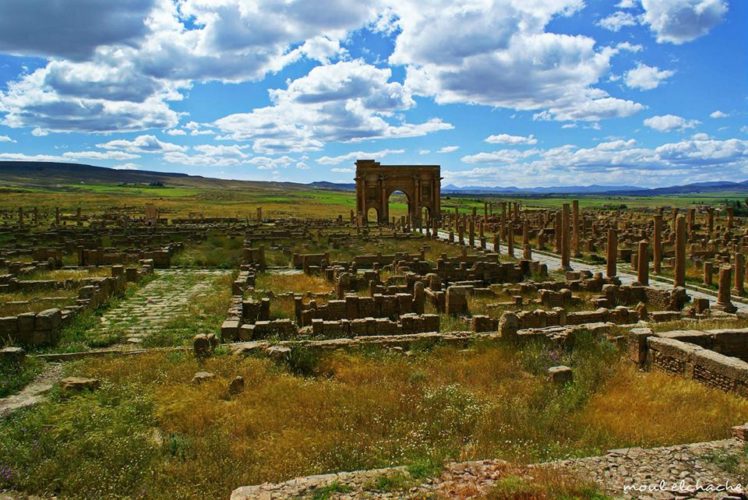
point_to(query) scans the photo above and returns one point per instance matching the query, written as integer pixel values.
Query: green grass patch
(334, 488)
(15, 376)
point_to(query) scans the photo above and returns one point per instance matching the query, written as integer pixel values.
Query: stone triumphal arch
(375, 183)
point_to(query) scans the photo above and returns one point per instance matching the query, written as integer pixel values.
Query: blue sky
(506, 92)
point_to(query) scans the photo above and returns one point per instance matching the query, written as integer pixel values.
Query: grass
(540, 484)
(733, 463)
(283, 307)
(150, 432)
(70, 274)
(296, 283)
(331, 489)
(15, 376)
(217, 251)
(37, 304)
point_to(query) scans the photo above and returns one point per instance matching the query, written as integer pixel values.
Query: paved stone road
(554, 262)
(156, 304)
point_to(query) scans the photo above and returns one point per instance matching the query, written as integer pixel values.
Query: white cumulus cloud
(618, 20)
(645, 77)
(669, 123)
(511, 139)
(681, 21)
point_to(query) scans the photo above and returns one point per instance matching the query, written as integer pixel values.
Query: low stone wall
(161, 258)
(540, 318)
(406, 324)
(355, 307)
(670, 299)
(43, 328)
(678, 353)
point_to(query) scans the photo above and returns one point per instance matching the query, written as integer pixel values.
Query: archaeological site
(340, 250)
(437, 346)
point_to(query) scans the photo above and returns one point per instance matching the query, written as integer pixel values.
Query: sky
(499, 93)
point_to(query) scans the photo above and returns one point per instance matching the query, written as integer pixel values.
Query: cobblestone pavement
(653, 473)
(157, 303)
(686, 471)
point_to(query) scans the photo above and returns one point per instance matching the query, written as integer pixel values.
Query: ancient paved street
(156, 304)
(554, 262)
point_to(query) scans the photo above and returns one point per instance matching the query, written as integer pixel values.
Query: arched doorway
(398, 205)
(372, 216)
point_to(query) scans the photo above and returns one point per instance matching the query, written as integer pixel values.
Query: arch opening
(398, 205)
(372, 216)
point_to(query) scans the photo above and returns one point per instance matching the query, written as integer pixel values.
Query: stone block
(560, 375)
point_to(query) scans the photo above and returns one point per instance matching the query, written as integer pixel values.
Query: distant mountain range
(592, 189)
(695, 188)
(23, 173)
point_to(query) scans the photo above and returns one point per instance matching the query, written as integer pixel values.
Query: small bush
(303, 362)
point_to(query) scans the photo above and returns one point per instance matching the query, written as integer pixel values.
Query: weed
(303, 361)
(326, 492)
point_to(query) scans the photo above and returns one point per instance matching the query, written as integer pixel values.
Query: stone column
(739, 273)
(527, 251)
(691, 219)
(679, 272)
(730, 215)
(575, 229)
(565, 237)
(471, 232)
(20, 216)
(510, 240)
(657, 244)
(642, 267)
(525, 231)
(557, 232)
(708, 272)
(503, 219)
(611, 253)
(57, 216)
(710, 221)
(723, 294)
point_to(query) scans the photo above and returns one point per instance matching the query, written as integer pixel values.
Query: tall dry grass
(354, 411)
